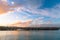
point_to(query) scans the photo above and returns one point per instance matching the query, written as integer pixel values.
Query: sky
(38, 11)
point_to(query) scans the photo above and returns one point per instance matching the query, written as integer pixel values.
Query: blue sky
(50, 3)
(42, 10)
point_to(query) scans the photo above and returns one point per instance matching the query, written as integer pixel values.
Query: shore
(29, 28)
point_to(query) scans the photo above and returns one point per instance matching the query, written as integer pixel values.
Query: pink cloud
(21, 23)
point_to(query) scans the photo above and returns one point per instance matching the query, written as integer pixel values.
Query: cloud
(31, 7)
(21, 23)
(52, 12)
(33, 4)
(4, 7)
(37, 21)
(55, 12)
(27, 4)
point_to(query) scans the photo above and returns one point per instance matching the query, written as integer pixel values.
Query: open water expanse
(30, 35)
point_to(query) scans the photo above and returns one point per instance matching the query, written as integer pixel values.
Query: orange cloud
(3, 10)
(4, 7)
(21, 24)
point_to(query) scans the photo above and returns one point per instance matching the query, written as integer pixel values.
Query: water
(30, 35)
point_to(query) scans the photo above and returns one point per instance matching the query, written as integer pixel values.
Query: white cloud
(53, 12)
(12, 2)
(31, 7)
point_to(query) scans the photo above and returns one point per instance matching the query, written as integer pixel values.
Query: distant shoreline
(2, 28)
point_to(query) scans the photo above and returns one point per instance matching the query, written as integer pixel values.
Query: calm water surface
(30, 35)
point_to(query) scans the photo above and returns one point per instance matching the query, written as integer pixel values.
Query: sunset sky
(40, 11)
